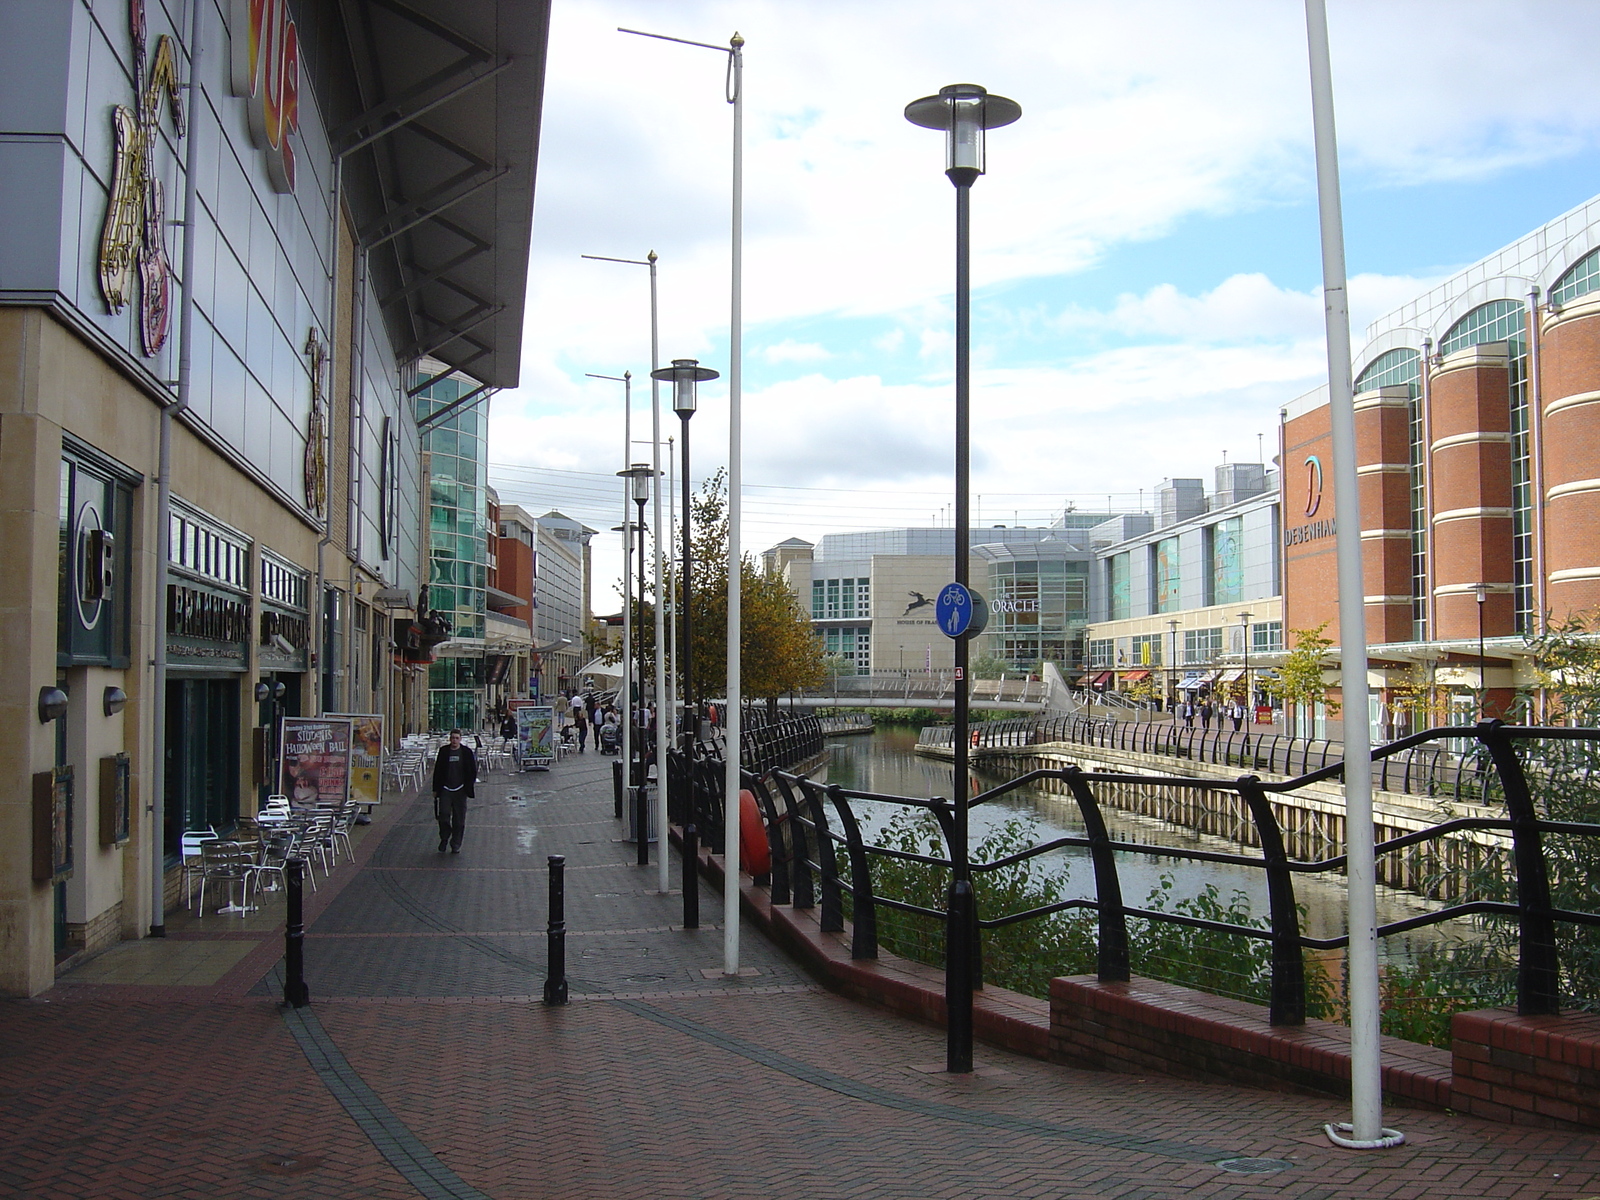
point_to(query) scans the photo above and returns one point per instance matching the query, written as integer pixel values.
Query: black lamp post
(639, 476)
(1249, 696)
(685, 374)
(1482, 592)
(963, 111)
(1172, 674)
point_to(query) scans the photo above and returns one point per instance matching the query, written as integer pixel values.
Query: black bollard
(641, 822)
(555, 984)
(295, 992)
(616, 788)
(958, 978)
(691, 877)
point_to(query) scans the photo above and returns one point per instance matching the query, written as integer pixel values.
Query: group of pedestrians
(1202, 707)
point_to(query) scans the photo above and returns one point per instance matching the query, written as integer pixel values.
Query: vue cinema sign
(265, 70)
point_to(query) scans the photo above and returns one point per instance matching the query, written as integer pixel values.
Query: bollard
(616, 788)
(555, 984)
(691, 877)
(641, 823)
(295, 992)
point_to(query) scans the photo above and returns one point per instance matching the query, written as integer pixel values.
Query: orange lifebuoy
(755, 856)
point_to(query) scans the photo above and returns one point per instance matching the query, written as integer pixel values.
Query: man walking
(455, 772)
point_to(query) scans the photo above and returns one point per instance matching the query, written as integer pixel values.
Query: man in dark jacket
(454, 773)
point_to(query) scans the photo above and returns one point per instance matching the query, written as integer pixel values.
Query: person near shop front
(455, 772)
(508, 731)
(1207, 711)
(580, 718)
(1236, 714)
(1186, 711)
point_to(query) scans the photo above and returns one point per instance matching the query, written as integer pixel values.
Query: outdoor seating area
(254, 858)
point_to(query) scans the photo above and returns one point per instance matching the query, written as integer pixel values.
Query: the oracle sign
(266, 72)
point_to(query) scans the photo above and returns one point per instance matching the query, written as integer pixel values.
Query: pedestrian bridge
(937, 689)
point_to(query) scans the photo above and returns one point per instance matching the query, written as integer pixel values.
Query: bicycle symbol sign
(953, 610)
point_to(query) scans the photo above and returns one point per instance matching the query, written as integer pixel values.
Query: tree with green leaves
(779, 651)
(1299, 680)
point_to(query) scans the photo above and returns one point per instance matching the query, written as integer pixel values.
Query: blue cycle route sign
(953, 610)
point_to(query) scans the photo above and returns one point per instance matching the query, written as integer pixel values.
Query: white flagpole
(1365, 1130)
(730, 890)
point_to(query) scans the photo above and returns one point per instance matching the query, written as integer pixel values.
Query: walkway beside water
(426, 1064)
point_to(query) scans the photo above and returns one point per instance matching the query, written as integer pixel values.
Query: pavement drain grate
(644, 979)
(285, 1164)
(1255, 1166)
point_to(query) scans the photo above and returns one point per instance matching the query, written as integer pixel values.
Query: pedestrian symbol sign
(953, 610)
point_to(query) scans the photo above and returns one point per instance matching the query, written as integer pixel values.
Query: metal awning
(440, 136)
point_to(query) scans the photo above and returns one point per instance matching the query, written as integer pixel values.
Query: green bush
(1025, 956)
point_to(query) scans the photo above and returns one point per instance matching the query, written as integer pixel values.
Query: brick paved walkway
(426, 1065)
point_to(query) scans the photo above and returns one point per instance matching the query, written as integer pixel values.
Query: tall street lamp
(1172, 690)
(662, 708)
(1481, 590)
(963, 111)
(733, 92)
(1249, 696)
(639, 476)
(685, 375)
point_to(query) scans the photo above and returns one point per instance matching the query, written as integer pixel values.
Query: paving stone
(427, 1065)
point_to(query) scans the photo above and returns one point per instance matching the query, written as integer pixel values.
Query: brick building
(1478, 435)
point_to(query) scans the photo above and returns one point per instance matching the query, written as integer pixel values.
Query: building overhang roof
(440, 138)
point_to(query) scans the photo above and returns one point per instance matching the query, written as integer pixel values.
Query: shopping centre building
(1478, 444)
(232, 231)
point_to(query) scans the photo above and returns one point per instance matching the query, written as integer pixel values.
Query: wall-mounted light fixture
(114, 700)
(52, 704)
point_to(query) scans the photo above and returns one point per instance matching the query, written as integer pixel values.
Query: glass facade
(832, 599)
(1579, 279)
(457, 546)
(1037, 611)
(1506, 321)
(1403, 368)
(1119, 592)
(852, 643)
(1202, 645)
(1227, 561)
(1167, 575)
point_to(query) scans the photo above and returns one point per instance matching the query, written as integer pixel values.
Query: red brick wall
(1570, 374)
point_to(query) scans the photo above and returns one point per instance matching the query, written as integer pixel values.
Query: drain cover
(1254, 1166)
(285, 1164)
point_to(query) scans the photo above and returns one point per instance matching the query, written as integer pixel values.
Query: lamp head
(963, 111)
(684, 374)
(640, 475)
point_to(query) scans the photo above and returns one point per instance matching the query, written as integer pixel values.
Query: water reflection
(886, 763)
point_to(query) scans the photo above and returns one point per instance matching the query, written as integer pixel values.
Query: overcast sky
(1146, 266)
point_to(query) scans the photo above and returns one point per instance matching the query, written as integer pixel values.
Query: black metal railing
(763, 748)
(806, 863)
(1457, 772)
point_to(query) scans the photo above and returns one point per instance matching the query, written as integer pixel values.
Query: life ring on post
(755, 856)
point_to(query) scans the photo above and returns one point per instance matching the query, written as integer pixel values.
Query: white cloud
(791, 351)
(1137, 117)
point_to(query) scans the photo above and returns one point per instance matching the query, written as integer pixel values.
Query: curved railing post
(1112, 960)
(799, 862)
(1538, 970)
(827, 861)
(864, 914)
(1288, 991)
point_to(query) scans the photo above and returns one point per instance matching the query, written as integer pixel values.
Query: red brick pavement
(773, 1090)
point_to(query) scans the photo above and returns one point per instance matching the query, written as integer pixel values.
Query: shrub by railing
(807, 870)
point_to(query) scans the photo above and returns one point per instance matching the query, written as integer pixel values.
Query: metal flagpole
(1365, 1130)
(730, 890)
(663, 885)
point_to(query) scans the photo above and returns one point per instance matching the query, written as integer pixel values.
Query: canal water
(886, 762)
